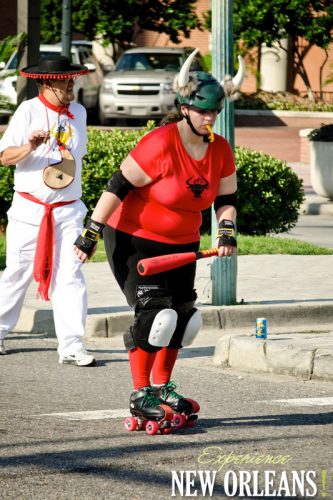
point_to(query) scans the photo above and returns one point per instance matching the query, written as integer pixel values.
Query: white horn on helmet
(183, 76)
(239, 77)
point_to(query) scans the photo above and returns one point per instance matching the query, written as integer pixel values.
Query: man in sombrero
(46, 139)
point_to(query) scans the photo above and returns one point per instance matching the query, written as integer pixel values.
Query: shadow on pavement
(110, 310)
(272, 420)
(25, 350)
(196, 352)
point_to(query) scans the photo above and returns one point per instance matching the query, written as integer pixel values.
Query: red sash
(45, 243)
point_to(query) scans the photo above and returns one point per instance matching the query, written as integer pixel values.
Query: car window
(84, 55)
(12, 64)
(149, 61)
(46, 53)
(198, 63)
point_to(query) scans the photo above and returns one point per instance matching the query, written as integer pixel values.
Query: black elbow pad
(225, 199)
(119, 185)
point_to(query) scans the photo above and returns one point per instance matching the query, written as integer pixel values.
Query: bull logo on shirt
(197, 185)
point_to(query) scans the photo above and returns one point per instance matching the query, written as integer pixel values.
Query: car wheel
(80, 97)
(105, 120)
(93, 114)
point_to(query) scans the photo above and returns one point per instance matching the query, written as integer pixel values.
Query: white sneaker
(2, 347)
(79, 358)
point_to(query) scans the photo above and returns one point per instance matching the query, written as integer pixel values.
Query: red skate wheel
(152, 427)
(166, 430)
(178, 420)
(143, 425)
(195, 405)
(168, 412)
(130, 424)
(190, 423)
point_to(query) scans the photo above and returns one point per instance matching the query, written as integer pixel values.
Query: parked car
(104, 55)
(141, 84)
(86, 89)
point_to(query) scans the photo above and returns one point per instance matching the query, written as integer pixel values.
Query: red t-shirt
(169, 209)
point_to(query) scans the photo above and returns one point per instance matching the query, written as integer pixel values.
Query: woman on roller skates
(152, 206)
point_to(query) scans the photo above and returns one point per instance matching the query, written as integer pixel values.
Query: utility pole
(224, 269)
(66, 29)
(28, 21)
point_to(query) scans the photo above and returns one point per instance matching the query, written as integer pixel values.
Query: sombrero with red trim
(54, 67)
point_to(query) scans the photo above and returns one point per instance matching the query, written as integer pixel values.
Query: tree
(305, 22)
(10, 44)
(7, 47)
(121, 22)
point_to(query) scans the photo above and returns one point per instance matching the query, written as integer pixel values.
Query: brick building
(198, 39)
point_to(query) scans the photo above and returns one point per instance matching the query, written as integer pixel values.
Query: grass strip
(247, 245)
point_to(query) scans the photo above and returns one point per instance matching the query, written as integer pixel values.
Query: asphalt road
(62, 433)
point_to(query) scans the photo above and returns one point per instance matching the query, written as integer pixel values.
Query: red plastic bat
(159, 264)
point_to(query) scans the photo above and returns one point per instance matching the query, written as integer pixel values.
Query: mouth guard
(211, 133)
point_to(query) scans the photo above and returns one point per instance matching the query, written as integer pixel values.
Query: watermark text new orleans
(243, 483)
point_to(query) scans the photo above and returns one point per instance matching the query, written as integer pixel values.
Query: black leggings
(124, 251)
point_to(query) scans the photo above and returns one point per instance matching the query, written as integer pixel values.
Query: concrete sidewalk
(293, 292)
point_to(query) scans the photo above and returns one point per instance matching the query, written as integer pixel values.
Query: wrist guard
(226, 233)
(87, 241)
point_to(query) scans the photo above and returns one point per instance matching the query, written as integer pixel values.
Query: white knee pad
(192, 328)
(162, 329)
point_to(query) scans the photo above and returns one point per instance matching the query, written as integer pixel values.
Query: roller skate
(148, 413)
(185, 409)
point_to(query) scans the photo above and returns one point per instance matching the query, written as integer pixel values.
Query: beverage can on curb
(261, 328)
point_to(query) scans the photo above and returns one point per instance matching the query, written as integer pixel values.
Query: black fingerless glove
(226, 233)
(87, 241)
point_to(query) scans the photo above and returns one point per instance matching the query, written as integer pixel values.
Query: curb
(289, 114)
(280, 354)
(306, 353)
(301, 316)
(319, 207)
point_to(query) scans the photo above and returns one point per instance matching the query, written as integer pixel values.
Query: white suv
(141, 84)
(86, 89)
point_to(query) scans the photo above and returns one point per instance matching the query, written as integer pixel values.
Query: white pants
(67, 291)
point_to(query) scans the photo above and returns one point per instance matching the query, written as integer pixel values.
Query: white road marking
(325, 401)
(122, 413)
(89, 415)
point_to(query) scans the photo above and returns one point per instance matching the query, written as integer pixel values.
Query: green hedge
(6, 192)
(106, 151)
(270, 193)
(282, 101)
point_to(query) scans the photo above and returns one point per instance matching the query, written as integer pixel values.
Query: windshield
(149, 62)
(46, 53)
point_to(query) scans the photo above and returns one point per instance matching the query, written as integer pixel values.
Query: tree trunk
(321, 74)
(299, 55)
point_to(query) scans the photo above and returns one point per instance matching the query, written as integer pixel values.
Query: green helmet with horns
(208, 94)
(201, 90)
